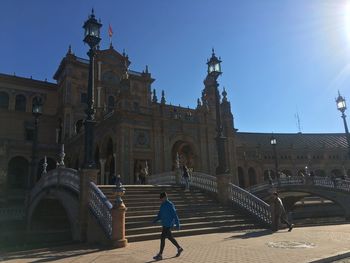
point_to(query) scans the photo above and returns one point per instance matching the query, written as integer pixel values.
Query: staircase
(199, 213)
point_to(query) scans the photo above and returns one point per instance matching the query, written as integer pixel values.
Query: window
(110, 103)
(21, 103)
(4, 100)
(83, 98)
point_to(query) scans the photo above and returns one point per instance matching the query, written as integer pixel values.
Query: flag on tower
(110, 31)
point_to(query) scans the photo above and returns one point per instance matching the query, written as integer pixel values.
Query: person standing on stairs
(167, 214)
(186, 176)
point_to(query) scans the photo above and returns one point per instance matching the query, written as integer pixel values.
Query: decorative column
(223, 181)
(118, 218)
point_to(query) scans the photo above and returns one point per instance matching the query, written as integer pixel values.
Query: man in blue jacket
(167, 214)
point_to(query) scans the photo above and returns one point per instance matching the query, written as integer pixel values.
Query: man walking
(167, 214)
(279, 213)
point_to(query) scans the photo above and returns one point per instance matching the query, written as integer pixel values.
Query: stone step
(179, 207)
(190, 232)
(181, 213)
(147, 220)
(154, 228)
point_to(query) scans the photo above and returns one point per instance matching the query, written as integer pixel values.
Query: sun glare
(347, 20)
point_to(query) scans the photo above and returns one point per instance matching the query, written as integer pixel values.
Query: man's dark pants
(166, 233)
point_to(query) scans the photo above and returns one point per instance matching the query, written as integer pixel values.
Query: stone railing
(249, 202)
(336, 183)
(12, 213)
(162, 178)
(204, 181)
(59, 177)
(101, 208)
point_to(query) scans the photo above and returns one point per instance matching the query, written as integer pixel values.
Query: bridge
(294, 189)
(67, 203)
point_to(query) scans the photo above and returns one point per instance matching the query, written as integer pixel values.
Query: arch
(64, 200)
(51, 164)
(50, 222)
(241, 181)
(187, 154)
(17, 172)
(21, 103)
(252, 176)
(4, 100)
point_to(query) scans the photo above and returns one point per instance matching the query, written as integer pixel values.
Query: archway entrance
(50, 223)
(186, 153)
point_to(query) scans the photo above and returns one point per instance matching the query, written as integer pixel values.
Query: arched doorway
(50, 222)
(186, 153)
(252, 176)
(17, 172)
(241, 181)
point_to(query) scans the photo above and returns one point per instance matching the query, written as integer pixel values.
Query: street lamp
(341, 106)
(214, 71)
(92, 38)
(37, 111)
(273, 142)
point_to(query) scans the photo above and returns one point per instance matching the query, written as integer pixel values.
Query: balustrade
(255, 206)
(101, 208)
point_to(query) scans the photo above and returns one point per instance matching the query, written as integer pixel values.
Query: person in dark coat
(186, 176)
(279, 213)
(168, 216)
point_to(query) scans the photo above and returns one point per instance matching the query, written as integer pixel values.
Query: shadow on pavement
(253, 234)
(50, 254)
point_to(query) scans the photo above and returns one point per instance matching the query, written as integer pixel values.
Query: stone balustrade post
(118, 219)
(223, 188)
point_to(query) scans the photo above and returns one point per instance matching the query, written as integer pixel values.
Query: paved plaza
(307, 244)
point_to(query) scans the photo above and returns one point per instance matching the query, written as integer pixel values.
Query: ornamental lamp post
(341, 106)
(273, 142)
(37, 111)
(214, 71)
(92, 38)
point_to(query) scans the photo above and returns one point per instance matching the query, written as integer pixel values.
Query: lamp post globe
(92, 31)
(92, 38)
(341, 106)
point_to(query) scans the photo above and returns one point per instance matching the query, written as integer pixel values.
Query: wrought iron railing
(162, 178)
(249, 202)
(101, 208)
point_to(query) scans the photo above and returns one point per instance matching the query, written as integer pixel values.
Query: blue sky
(279, 57)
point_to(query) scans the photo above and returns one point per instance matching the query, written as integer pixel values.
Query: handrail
(60, 176)
(249, 202)
(204, 181)
(327, 182)
(162, 178)
(101, 207)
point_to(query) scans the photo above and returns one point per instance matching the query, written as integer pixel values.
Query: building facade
(136, 128)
